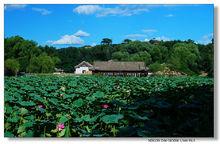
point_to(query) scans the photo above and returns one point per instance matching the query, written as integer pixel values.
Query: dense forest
(191, 58)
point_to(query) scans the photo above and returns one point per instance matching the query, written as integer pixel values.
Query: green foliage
(156, 67)
(63, 119)
(156, 54)
(159, 53)
(120, 56)
(42, 64)
(136, 46)
(112, 118)
(56, 60)
(126, 41)
(206, 62)
(62, 133)
(12, 65)
(86, 118)
(29, 56)
(27, 103)
(78, 103)
(23, 111)
(141, 56)
(106, 41)
(137, 107)
(184, 57)
(20, 49)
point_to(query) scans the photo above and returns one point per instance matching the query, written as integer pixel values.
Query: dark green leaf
(78, 103)
(63, 119)
(112, 118)
(8, 134)
(27, 103)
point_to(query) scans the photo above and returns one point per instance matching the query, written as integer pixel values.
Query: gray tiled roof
(83, 63)
(119, 66)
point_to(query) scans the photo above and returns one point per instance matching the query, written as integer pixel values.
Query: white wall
(81, 69)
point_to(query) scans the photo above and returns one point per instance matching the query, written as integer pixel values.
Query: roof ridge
(87, 63)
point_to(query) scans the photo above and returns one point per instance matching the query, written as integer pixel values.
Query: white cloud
(81, 33)
(93, 44)
(49, 41)
(87, 9)
(145, 33)
(149, 30)
(169, 15)
(161, 38)
(68, 39)
(121, 10)
(146, 39)
(206, 38)
(164, 38)
(14, 6)
(71, 39)
(42, 11)
(125, 10)
(134, 36)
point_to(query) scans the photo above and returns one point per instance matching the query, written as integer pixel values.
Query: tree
(184, 57)
(56, 60)
(12, 66)
(141, 56)
(69, 57)
(106, 41)
(156, 54)
(41, 64)
(120, 55)
(189, 41)
(156, 67)
(9, 43)
(51, 51)
(153, 41)
(21, 49)
(136, 46)
(206, 62)
(126, 41)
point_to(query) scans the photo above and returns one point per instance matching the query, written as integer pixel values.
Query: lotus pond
(96, 106)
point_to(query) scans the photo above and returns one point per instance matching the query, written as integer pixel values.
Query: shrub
(156, 67)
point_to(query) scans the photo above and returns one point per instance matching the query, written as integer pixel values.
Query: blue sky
(78, 25)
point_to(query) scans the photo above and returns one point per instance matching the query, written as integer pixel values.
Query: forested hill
(183, 56)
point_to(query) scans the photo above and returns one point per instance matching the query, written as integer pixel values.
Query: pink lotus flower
(60, 126)
(105, 106)
(41, 106)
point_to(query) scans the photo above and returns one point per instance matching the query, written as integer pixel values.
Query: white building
(83, 68)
